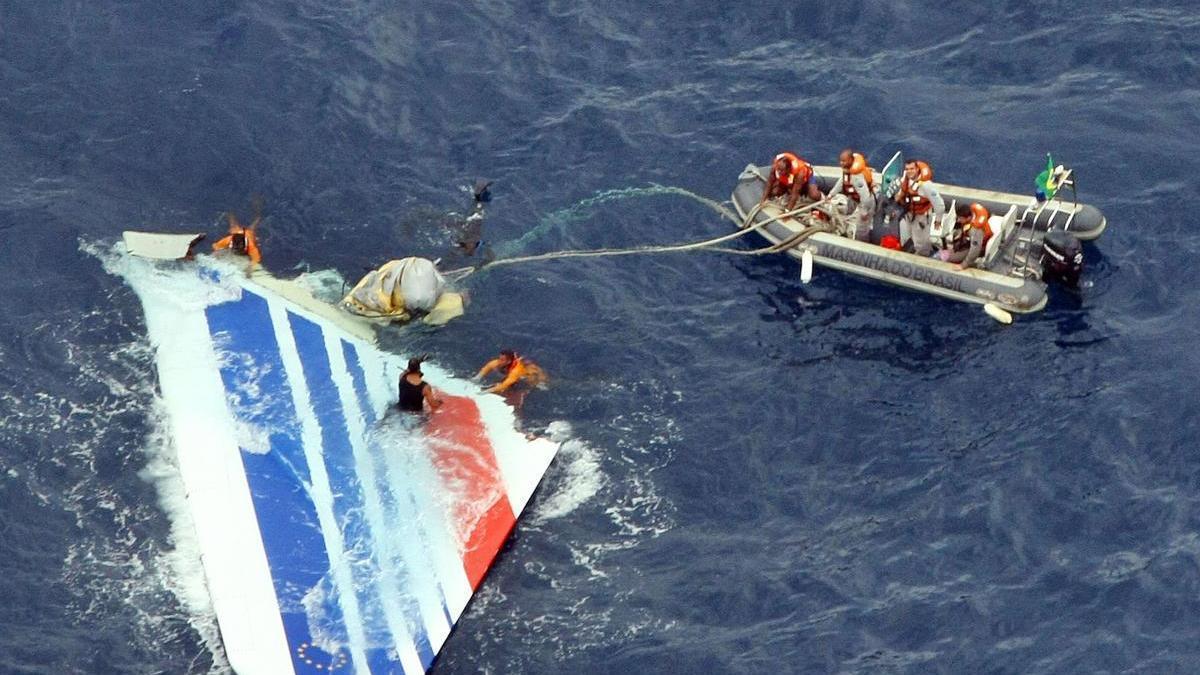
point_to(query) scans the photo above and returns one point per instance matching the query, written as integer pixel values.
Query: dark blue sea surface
(761, 476)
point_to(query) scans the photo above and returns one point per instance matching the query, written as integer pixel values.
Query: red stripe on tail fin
(464, 457)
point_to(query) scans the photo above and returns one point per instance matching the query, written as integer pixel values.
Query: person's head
(507, 356)
(846, 159)
(962, 213)
(238, 241)
(788, 162)
(414, 367)
(915, 169)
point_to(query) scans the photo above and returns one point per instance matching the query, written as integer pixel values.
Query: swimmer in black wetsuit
(467, 233)
(415, 392)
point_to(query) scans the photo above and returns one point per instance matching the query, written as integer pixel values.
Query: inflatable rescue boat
(1033, 242)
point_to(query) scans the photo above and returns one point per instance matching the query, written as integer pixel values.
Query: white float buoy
(998, 313)
(806, 266)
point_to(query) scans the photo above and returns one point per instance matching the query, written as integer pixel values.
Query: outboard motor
(1062, 258)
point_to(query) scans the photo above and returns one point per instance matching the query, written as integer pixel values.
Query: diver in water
(415, 392)
(514, 368)
(242, 240)
(467, 233)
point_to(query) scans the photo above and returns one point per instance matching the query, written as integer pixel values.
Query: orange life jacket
(526, 370)
(518, 369)
(979, 219)
(857, 166)
(252, 251)
(910, 198)
(797, 170)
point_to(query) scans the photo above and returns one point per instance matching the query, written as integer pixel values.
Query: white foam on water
(588, 481)
(373, 553)
(185, 578)
(177, 569)
(253, 438)
(420, 539)
(325, 285)
(579, 477)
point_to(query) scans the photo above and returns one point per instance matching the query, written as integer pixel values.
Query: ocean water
(758, 476)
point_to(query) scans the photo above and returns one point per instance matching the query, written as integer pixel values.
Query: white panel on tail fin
(160, 246)
(204, 434)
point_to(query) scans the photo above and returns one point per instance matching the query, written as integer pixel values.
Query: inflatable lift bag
(420, 284)
(399, 285)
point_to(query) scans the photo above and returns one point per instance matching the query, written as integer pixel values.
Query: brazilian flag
(1044, 182)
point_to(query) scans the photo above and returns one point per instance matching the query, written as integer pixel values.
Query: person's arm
(223, 243)
(866, 198)
(768, 187)
(794, 195)
(860, 186)
(837, 187)
(955, 256)
(514, 375)
(487, 368)
(430, 398)
(939, 207)
(974, 251)
(252, 246)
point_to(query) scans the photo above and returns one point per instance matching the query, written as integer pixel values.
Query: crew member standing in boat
(790, 175)
(920, 200)
(973, 238)
(857, 183)
(415, 392)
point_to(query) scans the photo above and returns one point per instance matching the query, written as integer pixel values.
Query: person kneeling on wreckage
(402, 288)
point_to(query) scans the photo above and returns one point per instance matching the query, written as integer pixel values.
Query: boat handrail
(1065, 178)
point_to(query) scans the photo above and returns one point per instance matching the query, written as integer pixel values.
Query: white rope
(706, 244)
(577, 211)
(744, 227)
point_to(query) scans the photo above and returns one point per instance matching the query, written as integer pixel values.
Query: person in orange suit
(790, 175)
(241, 240)
(514, 368)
